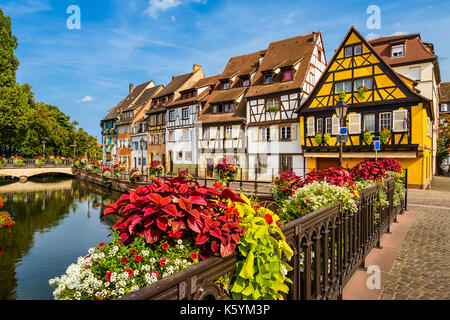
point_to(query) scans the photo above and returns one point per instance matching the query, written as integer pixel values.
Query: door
(209, 168)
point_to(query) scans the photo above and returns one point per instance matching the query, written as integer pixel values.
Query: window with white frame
(400, 120)
(366, 82)
(185, 113)
(343, 85)
(328, 126)
(180, 155)
(319, 125)
(354, 123)
(172, 115)
(444, 107)
(206, 134)
(398, 50)
(285, 133)
(369, 122)
(261, 163)
(188, 155)
(385, 121)
(228, 132)
(286, 163)
(310, 127)
(185, 135)
(265, 134)
(273, 103)
(172, 136)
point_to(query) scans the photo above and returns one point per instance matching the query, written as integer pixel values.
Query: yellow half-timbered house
(381, 103)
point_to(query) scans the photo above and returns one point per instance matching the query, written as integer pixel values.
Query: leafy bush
(226, 170)
(180, 207)
(284, 185)
(2, 161)
(337, 176)
(369, 170)
(135, 175)
(18, 161)
(39, 162)
(156, 169)
(260, 272)
(314, 196)
(106, 174)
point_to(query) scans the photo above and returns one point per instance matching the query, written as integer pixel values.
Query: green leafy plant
(367, 136)
(385, 134)
(319, 138)
(273, 109)
(362, 91)
(326, 137)
(260, 272)
(342, 94)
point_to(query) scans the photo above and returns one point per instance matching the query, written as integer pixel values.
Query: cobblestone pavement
(420, 270)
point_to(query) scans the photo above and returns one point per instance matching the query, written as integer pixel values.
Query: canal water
(57, 221)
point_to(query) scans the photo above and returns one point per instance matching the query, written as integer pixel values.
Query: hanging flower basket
(135, 176)
(226, 171)
(156, 169)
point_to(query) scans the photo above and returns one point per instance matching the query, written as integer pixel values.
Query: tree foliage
(24, 122)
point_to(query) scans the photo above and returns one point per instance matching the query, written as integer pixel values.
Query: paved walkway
(415, 257)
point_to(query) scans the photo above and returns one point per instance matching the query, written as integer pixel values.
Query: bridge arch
(26, 172)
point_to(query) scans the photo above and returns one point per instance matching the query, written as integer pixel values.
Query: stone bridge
(30, 169)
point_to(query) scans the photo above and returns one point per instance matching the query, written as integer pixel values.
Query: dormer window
(224, 107)
(245, 80)
(268, 78)
(287, 75)
(398, 50)
(225, 85)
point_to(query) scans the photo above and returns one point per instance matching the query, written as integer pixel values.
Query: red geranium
(165, 246)
(162, 262)
(138, 258)
(268, 218)
(101, 245)
(154, 273)
(194, 256)
(124, 260)
(108, 276)
(133, 251)
(129, 271)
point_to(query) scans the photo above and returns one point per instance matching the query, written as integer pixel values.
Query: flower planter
(318, 271)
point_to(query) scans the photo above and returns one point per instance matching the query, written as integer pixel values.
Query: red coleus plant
(369, 170)
(285, 184)
(391, 165)
(338, 176)
(180, 208)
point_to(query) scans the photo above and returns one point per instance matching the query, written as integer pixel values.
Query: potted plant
(58, 160)
(367, 136)
(2, 161)
(226, 171)
(39, 162)
(326, 138)
(118, 169)
(18, 161)
(319, 139)
(342, 94)
(106, 174)
(135, 175)
(156, 169)
(362, 91)
(385, 134)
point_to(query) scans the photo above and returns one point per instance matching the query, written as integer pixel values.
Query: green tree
(443, 142)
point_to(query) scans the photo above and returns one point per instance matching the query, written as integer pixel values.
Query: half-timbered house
(381, 103)
(221, 126)
(158, 117)
(288, 72)
(181, 116)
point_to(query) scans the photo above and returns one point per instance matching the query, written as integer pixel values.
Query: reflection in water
(57, 221)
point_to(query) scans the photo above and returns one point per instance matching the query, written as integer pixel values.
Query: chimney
(196, 67)
(131, 88)
(314, 36)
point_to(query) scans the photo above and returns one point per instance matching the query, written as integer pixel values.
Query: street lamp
(341, 112)
(74, 145)
(142, 155)
(43, 149)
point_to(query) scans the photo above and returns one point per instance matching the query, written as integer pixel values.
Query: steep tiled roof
(125, 103)
(284, 53)
(175, 84)
(208, 81)
(145, 97)
(113, 114)
(242, 65)
(444, 92)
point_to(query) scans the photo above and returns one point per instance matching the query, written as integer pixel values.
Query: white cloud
(86, 99)
(157, 6)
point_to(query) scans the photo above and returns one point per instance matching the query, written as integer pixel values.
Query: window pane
(287, 75)
(348, 51)
(358, 49)
(369, 122)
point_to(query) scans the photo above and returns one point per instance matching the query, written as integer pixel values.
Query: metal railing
(31, 163)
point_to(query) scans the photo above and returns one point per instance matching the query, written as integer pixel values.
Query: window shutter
(273, 133)
(294, 132)
(310, 127)
(400, 123)
(354, 121)
(235, 132)
(335, 125)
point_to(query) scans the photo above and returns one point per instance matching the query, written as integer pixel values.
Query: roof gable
(388, 87)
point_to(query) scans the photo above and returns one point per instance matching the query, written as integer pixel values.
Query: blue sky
(87, 71)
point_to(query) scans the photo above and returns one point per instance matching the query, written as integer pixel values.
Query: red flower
(154, 273)
(165, 245)
(162, 262)
(108, 276)
(133, 251)
(88, 266)
(124, 260)
(268, 218)
(176, 235)
(130, 272)
(218, 185)
(138, 258)
(101, 244)
(194, 256)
